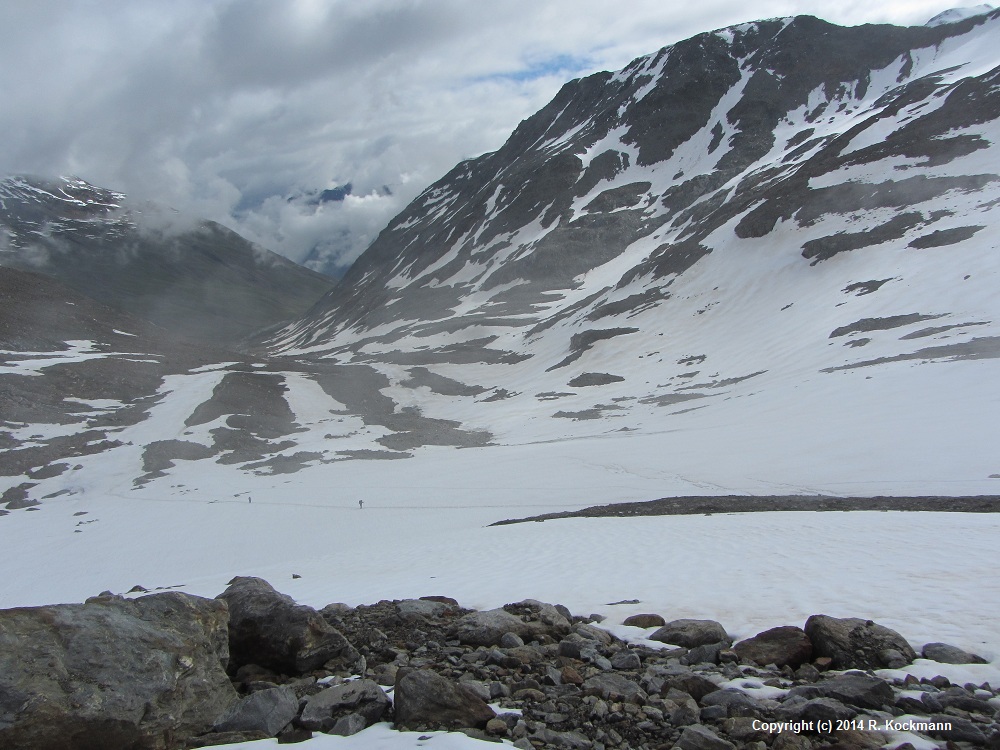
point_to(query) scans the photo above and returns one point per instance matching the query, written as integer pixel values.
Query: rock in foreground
(113, 673)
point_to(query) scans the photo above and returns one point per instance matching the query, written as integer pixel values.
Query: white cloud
(225, 108)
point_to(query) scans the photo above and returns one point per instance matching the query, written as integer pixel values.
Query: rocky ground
(169, 670)
(709, 504)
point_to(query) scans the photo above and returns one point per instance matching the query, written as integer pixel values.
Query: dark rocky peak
(730, 124)
(32, 207)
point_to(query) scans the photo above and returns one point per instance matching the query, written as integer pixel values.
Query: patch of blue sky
(565, 66)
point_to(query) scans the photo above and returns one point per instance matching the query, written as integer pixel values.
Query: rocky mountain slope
(772, 235)
(763, 208)
(195, 278)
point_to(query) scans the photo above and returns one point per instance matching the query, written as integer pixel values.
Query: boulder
(682, 708)
(691, 633)
(423, 608)
(348, 725)
(856, 689)
(945, 654)
(853, 643)
(598, 635)
(113, 672)
(626, 659)
(544, 620)
(326, 708)
(614, 687)
(709, 653)
(736, 702)
(782, 646)
(268, 711)
(688, 682)
(426, 699)
(697, 737)
(268, 628)
(487, 627)
(960, 729)
(645, 621)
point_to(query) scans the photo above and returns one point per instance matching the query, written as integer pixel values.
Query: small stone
(570, 676)
(496, 727)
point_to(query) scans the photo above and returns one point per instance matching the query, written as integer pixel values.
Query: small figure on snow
(361, 504)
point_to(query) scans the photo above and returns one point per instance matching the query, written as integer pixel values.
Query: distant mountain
(195, 278)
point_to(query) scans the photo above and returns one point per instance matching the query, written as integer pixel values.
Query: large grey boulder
(946, 654)
(268, 711)
(691, 633)
(362, 698)
(487, 627)
(853, 689)
(853, 643)
(269, 629)
(426, 699)
(113, 673)
(782, 646)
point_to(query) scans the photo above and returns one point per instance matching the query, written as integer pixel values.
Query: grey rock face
(780, 646)
(270, 629)
(325, 710)
(691, 633)
(946, 654)
(424, 698)
(853, 643)
(113, 672)
(269, 711)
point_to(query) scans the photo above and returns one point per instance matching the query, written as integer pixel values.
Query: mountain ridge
(649, 266)
(195, 277)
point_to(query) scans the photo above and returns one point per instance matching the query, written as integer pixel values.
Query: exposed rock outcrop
(113, 673)
(270, 629)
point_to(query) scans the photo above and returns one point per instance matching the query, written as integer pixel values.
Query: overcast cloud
(241, 110)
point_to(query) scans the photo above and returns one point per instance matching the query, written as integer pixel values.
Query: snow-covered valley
(630, 301)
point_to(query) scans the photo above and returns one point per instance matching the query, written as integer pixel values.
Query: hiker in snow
(361, 504)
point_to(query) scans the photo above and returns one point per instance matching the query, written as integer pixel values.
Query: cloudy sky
(242, 110)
